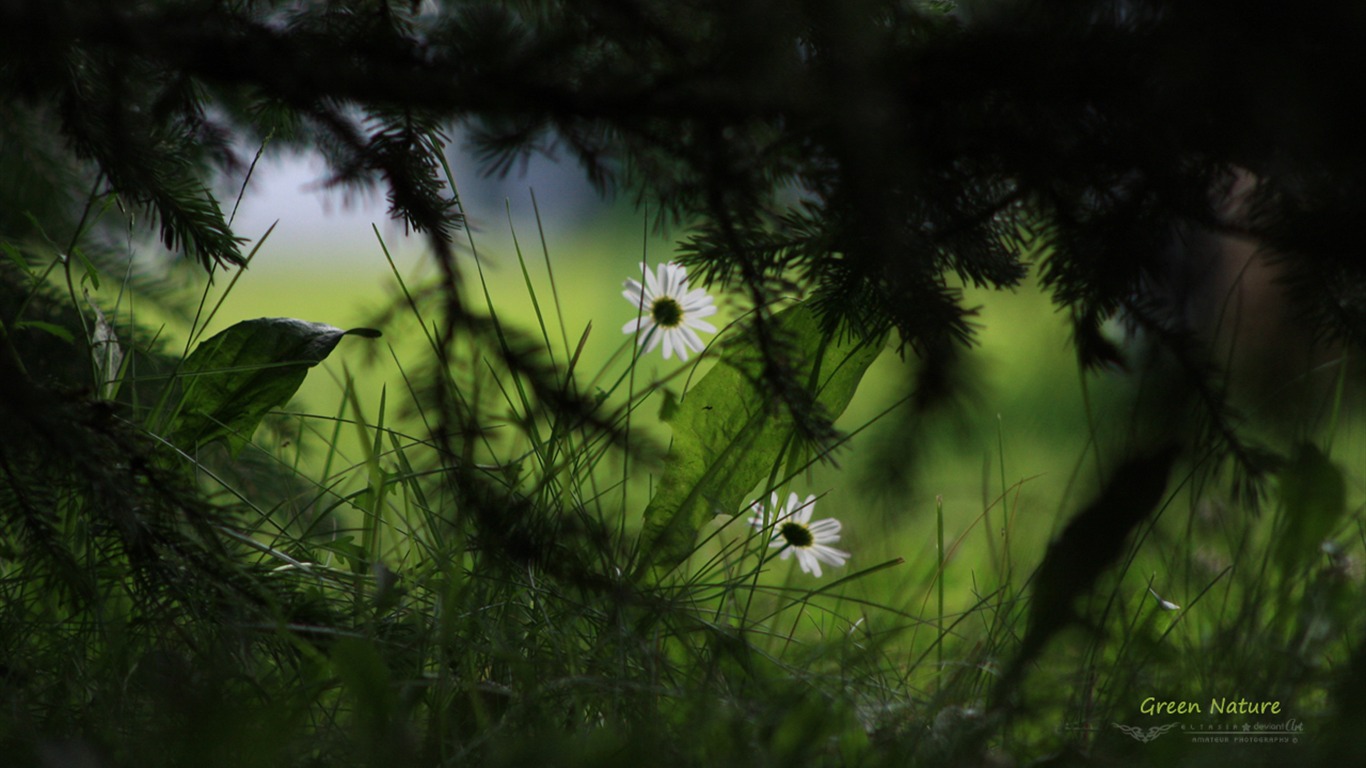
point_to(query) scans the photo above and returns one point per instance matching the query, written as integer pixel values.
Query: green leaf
(1314, 498)
(233, 379)
(16, 256)
(669, 405)
(728, 434)
(92, 275)
(369, 685)
(59, 331)
(357, 559)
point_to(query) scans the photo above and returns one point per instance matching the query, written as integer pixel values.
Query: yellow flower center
(666, 312)
(796, 535)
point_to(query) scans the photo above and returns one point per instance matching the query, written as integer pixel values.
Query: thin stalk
(939, 616)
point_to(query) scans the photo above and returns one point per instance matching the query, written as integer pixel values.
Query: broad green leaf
(234, 378)
(51, 328)
(1314, 498)
(728, 436)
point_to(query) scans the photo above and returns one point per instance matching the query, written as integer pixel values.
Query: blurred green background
(1009, 462)
(1021, 434)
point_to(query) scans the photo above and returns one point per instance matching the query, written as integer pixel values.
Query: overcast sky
(321, 222)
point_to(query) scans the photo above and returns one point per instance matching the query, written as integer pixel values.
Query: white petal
(690, 339)
(666, 281)
(827, 527)
(681, 344)
(678, 273)
(704, 310)
(651, 283)
(636, 323)
(696, 298)
(700, 325)
(668, 335)
(835, 557)
(653, 334)
(809, 563)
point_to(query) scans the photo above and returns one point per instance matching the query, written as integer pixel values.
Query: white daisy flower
(791, 528)
(668, 311)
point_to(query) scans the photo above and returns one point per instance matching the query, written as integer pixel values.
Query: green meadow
(873, 384)
(375, 611)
